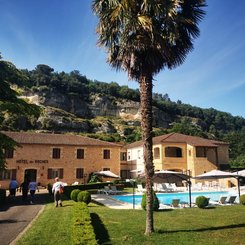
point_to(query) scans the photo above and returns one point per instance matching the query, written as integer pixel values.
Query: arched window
(173, 151)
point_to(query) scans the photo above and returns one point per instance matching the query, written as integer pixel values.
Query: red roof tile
(56, 139)
(180, 138)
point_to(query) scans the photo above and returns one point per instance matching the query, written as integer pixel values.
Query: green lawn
(221, 225)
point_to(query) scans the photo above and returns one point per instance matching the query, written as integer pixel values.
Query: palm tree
(142, 37)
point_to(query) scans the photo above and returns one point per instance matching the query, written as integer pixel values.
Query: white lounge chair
(221, 201)
(114, 190)
(165, 187)
(197, 186)
(106, 190)
(140, 189)
(231, 200)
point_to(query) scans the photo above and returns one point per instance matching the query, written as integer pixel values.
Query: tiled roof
(180, 138)
(56, 139)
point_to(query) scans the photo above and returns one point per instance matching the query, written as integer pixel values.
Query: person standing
(32, 188)
(24, 187)
(13, 185)
(56, 190)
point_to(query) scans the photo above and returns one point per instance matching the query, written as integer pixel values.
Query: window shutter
(14, 173)
(79, 173)
(61, 173)
(49, 173)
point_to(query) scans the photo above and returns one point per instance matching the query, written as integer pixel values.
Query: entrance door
(31, 174)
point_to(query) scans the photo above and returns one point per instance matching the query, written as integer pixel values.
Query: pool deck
(110, 202)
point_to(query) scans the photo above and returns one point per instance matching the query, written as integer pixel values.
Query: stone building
(45, 156)
(179, 152)
(73, 158)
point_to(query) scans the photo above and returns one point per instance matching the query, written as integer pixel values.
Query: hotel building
(71, 157)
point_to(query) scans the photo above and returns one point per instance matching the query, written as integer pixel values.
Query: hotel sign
(31, 161)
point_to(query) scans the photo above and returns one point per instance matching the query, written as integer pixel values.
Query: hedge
(84, 196)
(74, 194)
(82, 230)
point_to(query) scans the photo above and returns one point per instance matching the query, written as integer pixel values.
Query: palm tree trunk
(146, 124)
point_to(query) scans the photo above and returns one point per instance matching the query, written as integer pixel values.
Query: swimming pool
(166, 198)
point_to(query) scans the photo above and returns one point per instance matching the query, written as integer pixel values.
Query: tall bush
(202, 201)
(242, 199)
(155, 202)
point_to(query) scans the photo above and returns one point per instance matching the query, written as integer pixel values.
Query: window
(129, 156)
(8, 174)
(55, 172)
(9, 153)
(125, 174)
(79, 173)
(157, 153)
(201, 152)
(106, 154)
(123, 156)
(139, 154)
(80, 153)
(56, 153)
(106, 169)
(173, 152)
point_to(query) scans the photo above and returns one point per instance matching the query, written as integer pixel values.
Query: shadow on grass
(205, 229)
(100, 231)
(165, 210)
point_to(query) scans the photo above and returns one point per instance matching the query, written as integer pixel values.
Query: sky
(61, 34)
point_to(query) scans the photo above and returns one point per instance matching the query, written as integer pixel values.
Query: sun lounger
(231, 200)
(140, 189)
(106, 191)
(225, 201)
(222, 199)
(175, 203)
(197, 187)
(164, 187)
(114, 190)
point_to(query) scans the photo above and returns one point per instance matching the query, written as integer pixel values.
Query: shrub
(202, 201)
(74, 194)
(242, 199)
(84, 196)
(155, 202)
(2, 196)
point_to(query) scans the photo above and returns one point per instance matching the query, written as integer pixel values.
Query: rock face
(71, 112)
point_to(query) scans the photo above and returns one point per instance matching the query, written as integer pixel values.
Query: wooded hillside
(70, 102)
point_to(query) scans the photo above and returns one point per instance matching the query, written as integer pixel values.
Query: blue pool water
(166, 198)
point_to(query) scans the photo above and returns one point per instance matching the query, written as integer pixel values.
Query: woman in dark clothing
(24, 187)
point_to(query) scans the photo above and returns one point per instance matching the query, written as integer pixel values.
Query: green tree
(10, 104)
(142, 37)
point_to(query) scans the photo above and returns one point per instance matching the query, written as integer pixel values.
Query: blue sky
(61, 34)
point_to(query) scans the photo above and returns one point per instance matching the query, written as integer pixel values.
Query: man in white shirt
(57, 187)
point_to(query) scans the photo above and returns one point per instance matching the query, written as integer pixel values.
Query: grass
(221, 225)
(53, 226)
